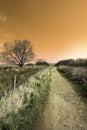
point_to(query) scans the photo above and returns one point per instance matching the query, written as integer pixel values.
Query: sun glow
(80, 51)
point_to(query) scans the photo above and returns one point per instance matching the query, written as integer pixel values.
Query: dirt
(65, 109)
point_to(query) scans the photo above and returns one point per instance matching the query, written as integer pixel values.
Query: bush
(22, 108)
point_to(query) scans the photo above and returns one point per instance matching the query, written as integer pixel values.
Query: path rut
(65, 110)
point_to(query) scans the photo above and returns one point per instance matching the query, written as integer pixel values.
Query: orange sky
(57, 28)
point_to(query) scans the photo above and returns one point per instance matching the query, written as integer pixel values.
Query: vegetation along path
(65, 110)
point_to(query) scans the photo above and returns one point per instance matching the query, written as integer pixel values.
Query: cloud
(3, 18)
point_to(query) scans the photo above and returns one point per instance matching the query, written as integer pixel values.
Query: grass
(21, 109)
(78, 76)
(7, 74)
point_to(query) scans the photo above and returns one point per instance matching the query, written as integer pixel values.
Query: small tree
(17, 52)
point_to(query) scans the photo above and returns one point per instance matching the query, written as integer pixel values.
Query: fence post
(14, 82)
(5, 93)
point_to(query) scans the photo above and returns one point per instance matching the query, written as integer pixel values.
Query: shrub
(21, 109)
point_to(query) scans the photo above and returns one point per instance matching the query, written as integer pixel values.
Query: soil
(65, 109)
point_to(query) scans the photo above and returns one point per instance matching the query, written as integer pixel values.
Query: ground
(65, 109)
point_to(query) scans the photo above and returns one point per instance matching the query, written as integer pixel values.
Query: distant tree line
(41, 62)
(72, 62)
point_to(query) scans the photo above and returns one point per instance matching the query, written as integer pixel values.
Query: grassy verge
(7, 74)
(26, 103)
(78, 76)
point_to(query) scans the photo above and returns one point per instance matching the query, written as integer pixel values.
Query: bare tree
(18, 52)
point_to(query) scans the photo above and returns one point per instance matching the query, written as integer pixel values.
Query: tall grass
(20, 109)
(78, 75)
(7, 74)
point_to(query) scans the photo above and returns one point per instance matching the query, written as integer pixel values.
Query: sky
(56, 28)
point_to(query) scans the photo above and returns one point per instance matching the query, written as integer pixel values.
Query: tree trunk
(21, 65)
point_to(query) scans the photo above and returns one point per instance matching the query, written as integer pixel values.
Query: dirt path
(65, 109)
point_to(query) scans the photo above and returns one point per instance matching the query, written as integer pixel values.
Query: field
(20, 107)
(8, 73)
(44, 98)
(78, 76)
